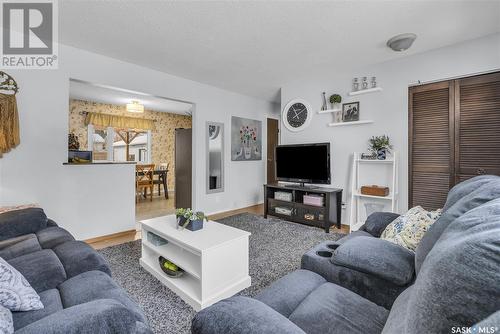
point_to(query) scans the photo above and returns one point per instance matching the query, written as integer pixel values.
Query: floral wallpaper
(163, 136)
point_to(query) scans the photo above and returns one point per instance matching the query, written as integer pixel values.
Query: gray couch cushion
(332, 309)
(78, 257)
(350, 236)
(285, 294)
(463, 197)
(464, 188)
(242, 315)
(378, 221)
(42, 269)
(53, 236)
(458, 284)
(96, 317)
(377, 257)
(373, 288)
(94, 285)
(22, 245)
(51, 302)
(19, 222)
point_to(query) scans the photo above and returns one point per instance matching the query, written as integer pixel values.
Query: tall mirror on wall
(215, 157)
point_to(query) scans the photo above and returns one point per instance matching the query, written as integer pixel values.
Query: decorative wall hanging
(9, 118)
(246, 139)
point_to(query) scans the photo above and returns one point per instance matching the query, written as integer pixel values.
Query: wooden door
(477, 126)
(431, 144)
(183, 168)
(272, 142)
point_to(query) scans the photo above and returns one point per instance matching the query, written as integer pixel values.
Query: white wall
(97, 200)
(389, 109)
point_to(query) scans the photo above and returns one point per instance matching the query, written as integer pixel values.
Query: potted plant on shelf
(380, 145)
(335, 100)
(187, 218)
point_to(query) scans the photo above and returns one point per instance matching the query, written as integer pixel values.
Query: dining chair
(162, 178)
(144, 179)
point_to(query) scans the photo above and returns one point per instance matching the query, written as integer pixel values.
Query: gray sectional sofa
(74, 281)
(379, 270)
(454, 283)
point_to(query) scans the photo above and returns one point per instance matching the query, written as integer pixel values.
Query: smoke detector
(401, 42)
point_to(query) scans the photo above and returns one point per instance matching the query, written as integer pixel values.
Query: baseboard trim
(226, 213)
(110, 236)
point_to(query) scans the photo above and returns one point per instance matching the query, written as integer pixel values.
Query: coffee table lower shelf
(187, 287)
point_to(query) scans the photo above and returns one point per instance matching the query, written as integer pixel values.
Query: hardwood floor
(160, 207)
(146, 209)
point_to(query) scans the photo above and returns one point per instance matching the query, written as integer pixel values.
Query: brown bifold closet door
(431, 138)
(454, 134)
(477, 126)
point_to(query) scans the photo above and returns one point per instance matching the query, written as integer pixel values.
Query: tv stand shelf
(324, 216)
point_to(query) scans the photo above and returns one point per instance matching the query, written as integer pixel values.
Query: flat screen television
(305, 163)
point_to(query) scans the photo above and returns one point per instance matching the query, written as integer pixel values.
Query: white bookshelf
(379, 172)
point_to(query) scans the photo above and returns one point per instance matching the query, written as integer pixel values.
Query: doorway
(103, 125)
(272, 142)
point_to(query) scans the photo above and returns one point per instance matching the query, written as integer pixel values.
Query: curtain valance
(121, 122)
(9, 123)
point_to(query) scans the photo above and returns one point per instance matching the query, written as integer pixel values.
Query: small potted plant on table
(380, 145)
(187, 218)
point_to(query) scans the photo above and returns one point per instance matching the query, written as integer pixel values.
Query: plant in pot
(335, 100)
(187, 218)
(380, 145)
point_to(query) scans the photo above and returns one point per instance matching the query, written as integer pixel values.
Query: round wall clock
(297, 115)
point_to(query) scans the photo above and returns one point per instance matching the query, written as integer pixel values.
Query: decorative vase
(324, 106)
(381, 153)
(364, 83)
(338, 116)
(193, 225)
(336, 106)
(247, 151)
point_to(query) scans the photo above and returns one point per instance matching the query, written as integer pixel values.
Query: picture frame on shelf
(350, 112)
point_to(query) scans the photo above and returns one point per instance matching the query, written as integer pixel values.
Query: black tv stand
(321, 216)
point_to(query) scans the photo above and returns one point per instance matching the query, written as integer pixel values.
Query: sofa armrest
(377, 257)
(19, 222)
(376, 223)
(97, 316)
(242, 315)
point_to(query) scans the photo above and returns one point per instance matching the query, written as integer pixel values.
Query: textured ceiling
(253, 47)
(97, 93)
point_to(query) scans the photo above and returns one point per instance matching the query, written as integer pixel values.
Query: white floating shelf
(350, 123)
(328, 111)
(376, 161)
(388, 197)
(366, 91)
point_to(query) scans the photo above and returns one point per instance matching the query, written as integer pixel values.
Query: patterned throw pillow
(16, 293)
(6, 322)
(407, 230)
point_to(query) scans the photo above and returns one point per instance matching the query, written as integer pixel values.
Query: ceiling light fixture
(135, 107)
(401, 42)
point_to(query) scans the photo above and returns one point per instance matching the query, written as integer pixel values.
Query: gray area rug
(276, 247)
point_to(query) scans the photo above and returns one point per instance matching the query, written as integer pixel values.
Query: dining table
(162, 179)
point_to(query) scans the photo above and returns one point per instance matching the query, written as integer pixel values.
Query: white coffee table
(215, 259)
